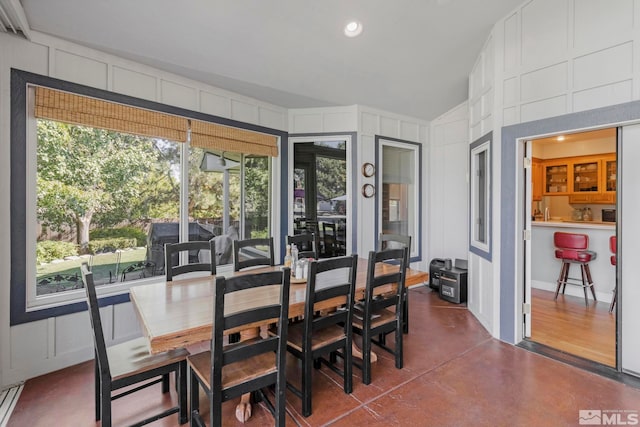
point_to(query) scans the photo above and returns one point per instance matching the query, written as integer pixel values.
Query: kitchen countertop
(575, 224)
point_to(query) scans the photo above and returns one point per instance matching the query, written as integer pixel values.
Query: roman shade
(81, 110)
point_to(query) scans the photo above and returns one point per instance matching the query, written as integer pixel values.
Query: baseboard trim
(8, 399)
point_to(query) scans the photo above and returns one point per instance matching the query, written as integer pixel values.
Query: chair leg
(98, 389)
(348, 368)
(405, 312)
(306, 384)
(181, 377)
(105, 402)
(366, 358)
(194, 398)
(399, 347)
(165, 383)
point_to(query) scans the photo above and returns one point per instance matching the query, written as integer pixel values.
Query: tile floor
(455, 374)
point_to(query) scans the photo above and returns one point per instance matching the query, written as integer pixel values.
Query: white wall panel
(488, 64)
(337, 122)
(544, 32)
(475, 79)
(244, 111)
(369, 123)
(542, 109)
(73, 333)
(306, 123)
(134, 83)
(475, 113)
(29, 344)
(510, 91)
(511, 44)
(80, 69)
(544, 83)
(409, 131)
(476, 131)
(214, 104)
(271, 118)
(612, 94)
(606, 66)
(487, 103)
(601, 22)
(179, 95)
(389, 127)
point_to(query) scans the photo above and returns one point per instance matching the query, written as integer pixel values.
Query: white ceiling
(413, 57)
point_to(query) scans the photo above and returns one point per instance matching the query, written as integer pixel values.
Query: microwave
(608, 215)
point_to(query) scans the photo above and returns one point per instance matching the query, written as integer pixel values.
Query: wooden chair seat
(321, 338)
(379, 318)
(234, 373)
(133, 357)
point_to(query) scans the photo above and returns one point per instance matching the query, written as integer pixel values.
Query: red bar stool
(573, 248)
(613, 245)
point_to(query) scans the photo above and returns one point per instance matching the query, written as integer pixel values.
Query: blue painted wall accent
(605, 116)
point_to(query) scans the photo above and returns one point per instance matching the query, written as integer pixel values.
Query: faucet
(546, 214)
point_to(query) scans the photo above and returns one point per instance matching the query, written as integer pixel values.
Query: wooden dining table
(180, 313)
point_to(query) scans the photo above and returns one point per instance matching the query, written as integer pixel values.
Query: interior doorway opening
(572, 190)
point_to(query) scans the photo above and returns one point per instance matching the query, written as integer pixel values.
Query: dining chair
(307, 244)
(226, 372)
(329, 238)
(172, 258)
(372, 317)
(251, 253)
(323, 332)
(130, 363)
(613, 247)
(392, 241)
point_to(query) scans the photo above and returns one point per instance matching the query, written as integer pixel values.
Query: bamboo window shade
(81, 110)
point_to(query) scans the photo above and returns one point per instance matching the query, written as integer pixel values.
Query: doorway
(573, 186)
(319, 190)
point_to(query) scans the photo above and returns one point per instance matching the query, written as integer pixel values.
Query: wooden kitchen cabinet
(536, 178)
(556, 176)
(589, 179)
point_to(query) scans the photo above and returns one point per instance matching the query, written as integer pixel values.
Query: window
(480, 170)
(399, 190)
(108, 179)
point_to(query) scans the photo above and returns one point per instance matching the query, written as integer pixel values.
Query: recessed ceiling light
(353, 29)
(560, 138)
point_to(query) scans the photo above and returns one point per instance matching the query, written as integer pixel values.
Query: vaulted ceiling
(412, 58)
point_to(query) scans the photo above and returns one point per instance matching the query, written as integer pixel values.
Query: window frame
(481, 146)
(22, 189)
(416, 238)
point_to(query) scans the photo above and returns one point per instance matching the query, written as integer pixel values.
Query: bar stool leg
(613, 300)
(584, 283)
(561, 277)
(593, 289)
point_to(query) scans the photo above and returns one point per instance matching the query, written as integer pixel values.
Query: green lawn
(104, 270)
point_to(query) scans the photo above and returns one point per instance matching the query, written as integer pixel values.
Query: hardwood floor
(568, 325)
(455, 374)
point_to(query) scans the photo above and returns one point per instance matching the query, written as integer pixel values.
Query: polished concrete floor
(454, 374)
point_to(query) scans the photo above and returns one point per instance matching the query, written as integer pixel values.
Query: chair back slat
(252, 316)
(246, 254)
(334, 318)
(172, 251)
(96, 322)
(247, 349)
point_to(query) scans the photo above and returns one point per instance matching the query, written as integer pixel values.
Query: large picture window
(109, 183)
